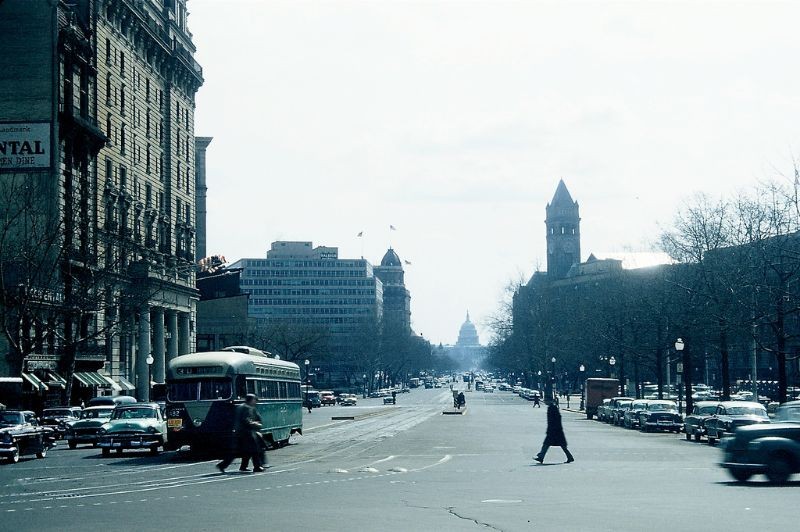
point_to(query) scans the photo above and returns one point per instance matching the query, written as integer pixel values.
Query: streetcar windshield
(200, 390)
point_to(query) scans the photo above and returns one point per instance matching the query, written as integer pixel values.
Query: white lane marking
(446, 458)
(503, 501)
(382, 460)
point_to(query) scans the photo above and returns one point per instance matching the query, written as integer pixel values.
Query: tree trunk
(724, 357)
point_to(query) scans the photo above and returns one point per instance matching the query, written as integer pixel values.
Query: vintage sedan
(348, 399)
(659, 414)
(134, 426)
(85, 429)
(60, 418)
(694, 425)
(731, 415)
(603, 410)
(616, 412)
(21, 434)
(631, 417)
(772, 449)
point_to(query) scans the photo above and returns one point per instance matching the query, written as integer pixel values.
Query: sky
(454, 121)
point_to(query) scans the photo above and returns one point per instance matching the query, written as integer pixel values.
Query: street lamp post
(552, 379)
(583, 399)
(364, 381)
(306, 362)
(682, 348)
(611, 362)
(149, 360)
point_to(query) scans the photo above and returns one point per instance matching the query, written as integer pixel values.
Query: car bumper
(128, 442)
(661, 425)
(743, 466)
(8, 450)
(82, 438)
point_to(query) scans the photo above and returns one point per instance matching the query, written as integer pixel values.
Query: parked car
(659, 414)
(311, 399)
(603, 410)
(694, 425)
(134, 426)
(731, 415)
(631, 416)
(21, 434)
(772, 449)
(326, 397)
(85, 429)
(60, 418)
(348, 399)
(616, 412)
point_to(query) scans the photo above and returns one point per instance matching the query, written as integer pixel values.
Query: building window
(123, 177)
(108, 89)
(108, 51)
(122, 140)
(122, 100)
(122, 64)
(108, 126)
(147, 90)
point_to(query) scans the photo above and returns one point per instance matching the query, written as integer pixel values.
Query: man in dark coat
(247, 438)
(555, 435)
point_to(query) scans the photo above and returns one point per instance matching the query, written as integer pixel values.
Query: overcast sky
(453, 121)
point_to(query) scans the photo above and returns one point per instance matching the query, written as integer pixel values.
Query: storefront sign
(24, 146)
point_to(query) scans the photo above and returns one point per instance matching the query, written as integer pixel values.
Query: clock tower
(563, 233)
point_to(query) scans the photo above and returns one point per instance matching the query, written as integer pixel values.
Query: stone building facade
(396, 297)
(120, 80)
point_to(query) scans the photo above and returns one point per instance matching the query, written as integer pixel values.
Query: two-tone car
(84, 431)
(694, 424)
(348, 399)
(60, 418)
(21, 434)
(731, 415)
(772, 449)
(134, 426)
(660, 414)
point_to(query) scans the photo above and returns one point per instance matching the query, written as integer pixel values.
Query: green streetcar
(203, 390)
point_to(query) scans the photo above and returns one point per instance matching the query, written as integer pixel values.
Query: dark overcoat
(247, 424)
(555, 432)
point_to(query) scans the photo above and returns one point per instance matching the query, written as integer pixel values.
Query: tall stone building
(107, 89)
(563, 233)
(396, 297)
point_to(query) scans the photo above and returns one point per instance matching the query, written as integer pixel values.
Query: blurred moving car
(326, 397)
(85, 429)
(694, 425)
(134, 426)
(772, 449)
(731, 415)
(348, 399)
(659, 414)
(21, 434)
(59, 419)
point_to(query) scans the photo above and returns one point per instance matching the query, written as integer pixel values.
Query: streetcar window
(284, 394)
(204, 390)
(215, 389)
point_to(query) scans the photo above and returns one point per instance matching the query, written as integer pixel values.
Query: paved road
(406, 468)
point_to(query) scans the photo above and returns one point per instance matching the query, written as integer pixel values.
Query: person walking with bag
(555, 435)
(247, 438)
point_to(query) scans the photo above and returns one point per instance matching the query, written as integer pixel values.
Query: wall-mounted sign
(24, 146)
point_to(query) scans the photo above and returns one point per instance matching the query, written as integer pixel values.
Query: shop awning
(56, 380)
(35, 382)
(92, 378)
(125, 384)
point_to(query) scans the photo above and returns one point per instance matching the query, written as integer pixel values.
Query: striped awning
(125, 384)
(34, 381)
(56, 380)
(92, 378)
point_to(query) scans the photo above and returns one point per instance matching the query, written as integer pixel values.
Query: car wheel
(14, 458)
(741, 475)
(72, 444)
(106, 452)
(42, 453)
(779, 468)
(711, 439)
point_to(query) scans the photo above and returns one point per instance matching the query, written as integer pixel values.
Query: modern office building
(304, 285)
(102, 94)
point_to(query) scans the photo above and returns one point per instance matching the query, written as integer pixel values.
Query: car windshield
(134, 413)
(706, 409)
(95, 414)
(58, 412)
(200, 390)
(791, 414)
(657, 407)
(624, 406)
(10, 418)
(746, 411)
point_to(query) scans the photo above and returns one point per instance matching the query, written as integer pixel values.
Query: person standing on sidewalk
(555, 435)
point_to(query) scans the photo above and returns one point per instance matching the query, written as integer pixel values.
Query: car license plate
(136, 443)
(116, 444)
(174, 423)
(665, 423)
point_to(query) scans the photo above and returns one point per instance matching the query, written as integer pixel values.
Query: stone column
(142, 352)
(183, 333)
(172, 329)
(158, 344)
